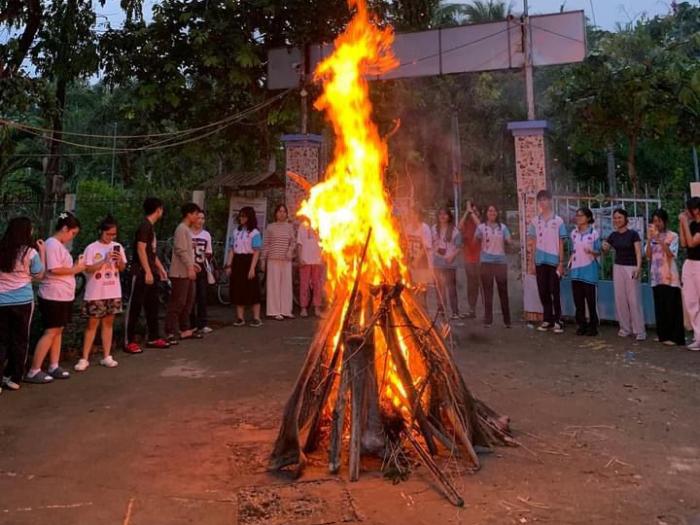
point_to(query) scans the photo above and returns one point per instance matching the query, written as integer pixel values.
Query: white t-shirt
(104, 283)
(57, 287)
(309, 248)
(201, 243)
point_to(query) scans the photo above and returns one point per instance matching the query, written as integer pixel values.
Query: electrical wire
(20, 125)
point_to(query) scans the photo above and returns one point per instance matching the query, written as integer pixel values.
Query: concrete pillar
(302, 156)
(198, 197)
(531, 177)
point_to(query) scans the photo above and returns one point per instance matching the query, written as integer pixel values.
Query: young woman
(690, 239)
(627, 270)
(446, 244)
(56, 295)
(278, 252)
(104, 260)
(311, 270)
(419, 247)
(493, 237)
(584, 269)
(241, 263)
(21, 260)
(662, 251)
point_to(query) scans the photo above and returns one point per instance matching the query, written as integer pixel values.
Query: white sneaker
(206, 330)
(641, 337)
(109, 362)
(622, 333)
(9, 384)
(544, 327)
(558, 328)
(694, 346)
(81, 365)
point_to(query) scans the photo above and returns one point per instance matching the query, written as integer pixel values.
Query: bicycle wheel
(223, 290)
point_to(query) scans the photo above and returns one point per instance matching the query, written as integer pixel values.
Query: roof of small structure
(246, 180)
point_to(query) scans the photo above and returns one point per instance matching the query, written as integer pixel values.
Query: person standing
(446, 243)
(311, 270)
(690, 239)
(183, 274)
(203, 253)
(241, 264)
(21, 260)
(56, 296)
(278, 251)
(419, 248)
(472, 255)
(627, 272)
(104, 260)
(662, 251)
(147, 272)
(546, 235)
(584, 270)
(493, 237)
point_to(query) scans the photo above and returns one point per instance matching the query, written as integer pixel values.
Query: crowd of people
(553, 252)
(433, 254)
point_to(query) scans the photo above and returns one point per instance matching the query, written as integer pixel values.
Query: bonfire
(379, 377)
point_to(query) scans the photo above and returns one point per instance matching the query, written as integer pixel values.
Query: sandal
(59, 373)
(39, 378)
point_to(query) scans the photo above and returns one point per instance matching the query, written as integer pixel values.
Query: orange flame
(352, 198)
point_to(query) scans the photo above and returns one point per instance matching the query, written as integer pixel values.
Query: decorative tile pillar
(302, 156)
(531, 177)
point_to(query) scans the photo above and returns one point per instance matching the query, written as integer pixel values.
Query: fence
(640, 207)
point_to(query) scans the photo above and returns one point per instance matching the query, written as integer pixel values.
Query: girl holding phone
(104, 259)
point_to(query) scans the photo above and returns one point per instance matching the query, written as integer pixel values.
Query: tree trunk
(632, 161)
(52, 182)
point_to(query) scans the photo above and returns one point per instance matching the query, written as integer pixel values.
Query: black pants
(473, 284)
(491, 272)
(15, 321)
(548, 288)
(668, 307)
(143, 296)
(199, 319)
(447, 289)
(585, 296)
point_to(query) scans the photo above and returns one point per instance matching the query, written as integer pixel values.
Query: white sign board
(235, 206)
(556, 39)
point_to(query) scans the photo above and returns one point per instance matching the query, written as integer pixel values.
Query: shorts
(100, 308)
(55, 314)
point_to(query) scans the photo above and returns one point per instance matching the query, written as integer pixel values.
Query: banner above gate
(556, 39)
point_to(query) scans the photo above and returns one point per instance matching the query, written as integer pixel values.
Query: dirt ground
(609, 429)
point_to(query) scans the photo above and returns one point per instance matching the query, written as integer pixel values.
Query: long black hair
(66, 220)
(15, 243)
(249, 213)
(107, 223)
(449, 231)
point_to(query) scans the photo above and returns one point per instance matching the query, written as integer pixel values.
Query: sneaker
(171, 340)
(544, 327)
(239, 322)
(694, 346)
(469, 315)
(290, 316)
(455, 317)
(304, 313)
(255, 323)
(592, 331)
(81, 365)
(206, 330)
(581, 330)
(641, 337)
(58, 373)
(9, 384)
(133, 348)
(558, 328)
(279, 317)
(109, 362)
(668, 342)
(623, 333)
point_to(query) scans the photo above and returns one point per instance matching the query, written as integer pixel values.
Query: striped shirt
(279, 241)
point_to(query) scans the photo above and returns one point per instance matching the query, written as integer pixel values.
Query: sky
(606, 13)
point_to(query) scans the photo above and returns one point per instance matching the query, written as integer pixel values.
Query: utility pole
(527, 51)
(114, 151)
(695, 164)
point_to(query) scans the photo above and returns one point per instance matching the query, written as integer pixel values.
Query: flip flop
(39, 378)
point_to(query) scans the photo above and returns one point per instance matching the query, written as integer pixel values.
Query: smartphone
(117, 248)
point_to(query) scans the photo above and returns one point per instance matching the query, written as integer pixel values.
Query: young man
(472, 254)
(147, 272)
(546, 235)
(183, 274)
(203, 253)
